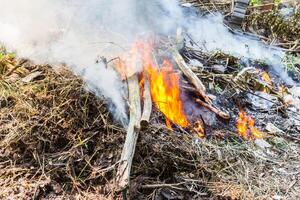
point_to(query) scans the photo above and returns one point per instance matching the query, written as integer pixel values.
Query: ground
(59, 141)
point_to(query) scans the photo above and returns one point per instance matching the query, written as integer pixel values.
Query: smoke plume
(77, 32)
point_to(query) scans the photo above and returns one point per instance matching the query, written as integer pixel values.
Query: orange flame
(165, 92)
(129, 63)
(267, 79)
(246, 128)
(164, 83)
(120, 68)
(242, 125)
(199, 129)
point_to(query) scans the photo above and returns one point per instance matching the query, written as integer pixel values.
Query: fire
(164, 82)
(242, 125)
(255, 132)
(246, 128)
(165, 92)
(199, 129)
(129, 63)
(267, 79)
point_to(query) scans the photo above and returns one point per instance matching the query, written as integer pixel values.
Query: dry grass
(52, 136)
(226, 169)
(58, 141)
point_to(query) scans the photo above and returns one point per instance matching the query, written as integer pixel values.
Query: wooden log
(213, 109)
(147, 108)
(190, 75)
(123, 173)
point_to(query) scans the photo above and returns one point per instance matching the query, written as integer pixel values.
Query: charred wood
(213, 109)
(190, 75)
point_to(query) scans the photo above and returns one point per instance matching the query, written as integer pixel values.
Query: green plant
(291, 61)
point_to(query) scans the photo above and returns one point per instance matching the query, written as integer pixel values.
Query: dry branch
(213, 109)
(199, 87)
(190, 75)
(123, 173)
(147, 108)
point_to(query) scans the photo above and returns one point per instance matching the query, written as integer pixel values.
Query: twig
(213, 109)
(192, 78)
(16, 67)
(161, 185)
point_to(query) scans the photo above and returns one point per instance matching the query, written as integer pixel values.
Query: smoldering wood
(199, 86)
(190, 75)
(213, 109)
(123, 173)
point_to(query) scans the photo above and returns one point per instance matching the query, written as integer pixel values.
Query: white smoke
(210, 34)
(76, 32)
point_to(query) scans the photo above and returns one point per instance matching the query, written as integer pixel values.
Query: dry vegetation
(276, 28)
(58, 141)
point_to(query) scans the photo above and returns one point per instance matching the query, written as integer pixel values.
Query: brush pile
(59, 141)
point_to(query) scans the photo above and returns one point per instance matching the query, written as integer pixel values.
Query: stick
(20, 63)
(213, 109)
(192, 78)
(147, 102)
(123, 173)
(199, 87)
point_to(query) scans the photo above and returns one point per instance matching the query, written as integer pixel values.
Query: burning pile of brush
(158, 83)
(156, 70)
(156, 78)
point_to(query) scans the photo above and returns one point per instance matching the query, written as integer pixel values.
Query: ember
(267, 79)
(246, 128)
(199, 129)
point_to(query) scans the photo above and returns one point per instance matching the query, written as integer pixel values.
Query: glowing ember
(246, 128)
(266, 78)
(199, 128)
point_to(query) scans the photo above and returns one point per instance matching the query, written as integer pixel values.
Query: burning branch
(123, 173)
(196, 82)
(192, 78)
(213, 109)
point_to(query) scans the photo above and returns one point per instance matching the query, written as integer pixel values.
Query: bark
(190, 75)
(213, 109)
(147, 108)
(123, 173)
